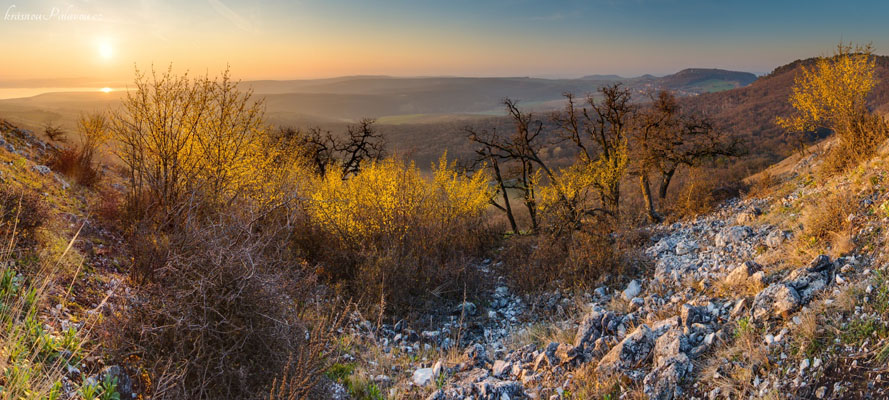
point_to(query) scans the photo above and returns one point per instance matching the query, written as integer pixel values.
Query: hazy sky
(267, 39)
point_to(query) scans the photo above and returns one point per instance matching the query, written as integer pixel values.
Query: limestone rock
(633, 289)
(629, 353)
(662, 383)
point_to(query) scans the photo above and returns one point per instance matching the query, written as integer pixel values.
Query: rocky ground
(727, 312)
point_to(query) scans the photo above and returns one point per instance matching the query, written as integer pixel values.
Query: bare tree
(324, 151)
(364, 144)
(665, 139)
(521, 151)
(54, 131)
(600, 130)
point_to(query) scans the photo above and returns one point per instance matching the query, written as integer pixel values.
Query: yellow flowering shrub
(833, 95)
(390, 231)
(392, 198)
(577, 188)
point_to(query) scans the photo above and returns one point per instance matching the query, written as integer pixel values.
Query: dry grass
(580, 260)
(731, 368)
(748, 288)
(589, 385)
(825, 225)
(35, 356)
(541, 334)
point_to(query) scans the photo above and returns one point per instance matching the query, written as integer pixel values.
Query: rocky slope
(739, 304)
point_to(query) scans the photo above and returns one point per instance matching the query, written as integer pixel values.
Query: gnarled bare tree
(665, 139)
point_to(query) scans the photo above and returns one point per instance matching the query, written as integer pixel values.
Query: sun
(105, 90)
(105, 50)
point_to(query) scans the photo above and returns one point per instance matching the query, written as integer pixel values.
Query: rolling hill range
(394, 100)
(421, 117)
(747, 112)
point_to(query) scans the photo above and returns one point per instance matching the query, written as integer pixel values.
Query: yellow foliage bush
(392, 199)
(833, 95)
(389, 231)
(578, 191)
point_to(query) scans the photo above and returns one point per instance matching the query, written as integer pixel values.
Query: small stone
(466, 307)
(633, 289)
(41, 169)
(685, 247)
(501, 368)
(422, 376)
(820, 392)
(437, 369)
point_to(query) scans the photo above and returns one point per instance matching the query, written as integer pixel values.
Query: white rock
(422, 376)
(501, 368)
(685, 247)
(633, 289)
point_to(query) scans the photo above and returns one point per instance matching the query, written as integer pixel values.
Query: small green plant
(109, 388)
(374, 392)
(339, 371)
(743, 327)
(89, 390)
(884, 208)
(440, 380)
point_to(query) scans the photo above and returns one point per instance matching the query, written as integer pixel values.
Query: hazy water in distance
(15, 93)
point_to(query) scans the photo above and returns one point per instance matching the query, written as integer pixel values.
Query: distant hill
(395, 100)
(749, 112)
(603, 77)
(701, 77)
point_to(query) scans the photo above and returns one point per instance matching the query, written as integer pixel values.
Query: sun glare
(105, 90)
(105, 50)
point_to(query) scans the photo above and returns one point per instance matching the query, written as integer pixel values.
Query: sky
(105, 40)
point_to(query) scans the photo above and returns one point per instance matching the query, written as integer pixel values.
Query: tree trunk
(653, 216)
(496, 167)
(665, 182)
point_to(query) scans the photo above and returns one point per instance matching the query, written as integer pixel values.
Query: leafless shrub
(79, 162)
(221, 314)
(21, 213)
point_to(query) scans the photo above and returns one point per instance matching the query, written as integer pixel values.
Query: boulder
(690, 315)
(685, 247)
(633, 289)
(501, 368)
(795, 290)
(476, 355)
(670, 345)
(732, 235)
(778, 299)
(740, 275)
(422, 376)
(629, 353)
(749, 215)
(593, 326)
(466, 307)
(776, 238)
(41, 169)
(662, 383)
